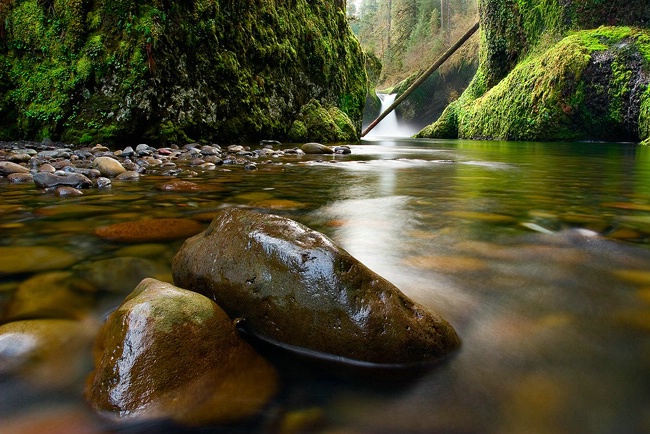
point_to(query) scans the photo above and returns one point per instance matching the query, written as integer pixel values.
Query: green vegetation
(159, 71)
(543, 78)
(317, 123)
(408, 35)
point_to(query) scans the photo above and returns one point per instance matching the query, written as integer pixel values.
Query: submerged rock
(120, 274)
(168, 353)
(150, 230)
(294, 285)
(30, 259)
(46, 353)
(48, 295)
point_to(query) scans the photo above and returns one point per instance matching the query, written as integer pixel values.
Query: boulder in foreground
(168, 353)
(295, 286)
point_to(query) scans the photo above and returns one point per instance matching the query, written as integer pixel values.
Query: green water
(537, 253)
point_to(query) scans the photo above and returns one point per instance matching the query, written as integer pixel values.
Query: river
(537, 253)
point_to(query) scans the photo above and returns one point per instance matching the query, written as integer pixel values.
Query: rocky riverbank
(67, 170)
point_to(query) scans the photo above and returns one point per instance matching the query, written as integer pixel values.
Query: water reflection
(536, 253)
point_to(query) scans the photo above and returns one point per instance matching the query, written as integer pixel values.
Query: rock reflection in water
(554, 340)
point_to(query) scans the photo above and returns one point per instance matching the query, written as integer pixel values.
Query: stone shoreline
(68, 169)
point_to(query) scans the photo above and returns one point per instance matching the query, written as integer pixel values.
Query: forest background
(407, 36)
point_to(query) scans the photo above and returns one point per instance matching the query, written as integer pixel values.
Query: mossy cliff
(556, 70)
(122, 70)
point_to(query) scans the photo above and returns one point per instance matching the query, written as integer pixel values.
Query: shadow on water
(536, 253)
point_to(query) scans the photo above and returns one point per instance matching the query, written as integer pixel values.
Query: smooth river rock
(139, 231)
(316, 148)
(169, 353)
(30, 259)
(48, 295)
(119, 275)
(49, 180)
(7, 168)
(108, 166)
(295, 286)
(46, 353)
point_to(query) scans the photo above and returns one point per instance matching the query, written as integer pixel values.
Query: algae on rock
(158, 71)
(548, 71)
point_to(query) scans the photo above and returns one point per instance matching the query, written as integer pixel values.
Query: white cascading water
(388, 127)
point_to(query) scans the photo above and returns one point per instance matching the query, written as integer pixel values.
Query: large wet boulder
(167, 353)
(295, 286)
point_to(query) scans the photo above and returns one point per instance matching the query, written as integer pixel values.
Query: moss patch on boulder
(543, 78)
(318, 123)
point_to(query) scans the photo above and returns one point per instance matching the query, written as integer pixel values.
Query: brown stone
(295, 286)
(139, 231)
(168, 353)
(48, 295)
(29, 259)
(47, 353)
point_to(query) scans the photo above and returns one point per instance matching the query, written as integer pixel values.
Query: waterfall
(389, 127)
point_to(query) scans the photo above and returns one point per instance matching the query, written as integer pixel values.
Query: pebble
(47, 167)
(279, 204)
(121, 274)
(129, 175)
(451, 264)
(103, 182)
(66, 166)
(19, 157)
(482, 216)
(179, 185)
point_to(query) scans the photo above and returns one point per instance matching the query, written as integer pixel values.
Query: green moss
(644, 116)
(168, 71)
(542, 78)
(317, 123)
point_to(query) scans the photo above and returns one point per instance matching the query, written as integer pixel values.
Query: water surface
(537, 253)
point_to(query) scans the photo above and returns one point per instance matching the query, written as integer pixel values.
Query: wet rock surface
(295, 286)
(168, 353)
(19, 259)
(46, 353)
(60, 168)
(150, 230)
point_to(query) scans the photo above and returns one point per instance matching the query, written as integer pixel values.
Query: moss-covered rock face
(541, 78)
(170, 71)
(317, 123)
